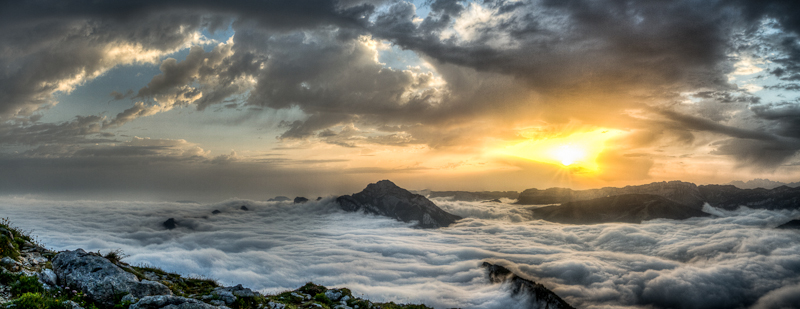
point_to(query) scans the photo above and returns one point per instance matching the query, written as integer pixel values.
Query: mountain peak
(387, 199)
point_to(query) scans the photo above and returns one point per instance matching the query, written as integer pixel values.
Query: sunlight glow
(577, 150)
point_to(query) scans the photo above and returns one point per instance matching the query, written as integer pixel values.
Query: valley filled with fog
(732, 259)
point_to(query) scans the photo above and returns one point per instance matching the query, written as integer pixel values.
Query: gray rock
(387, 199)
(129, 298)
(333, 295)
(72, 304)
(100, 279)
(217, 302)
(300, 200)
(8, 261)
(48, 277)
(229, 294)
(274, 305)
(170, 302)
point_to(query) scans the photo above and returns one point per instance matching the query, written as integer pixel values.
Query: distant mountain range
(675, 200)
(669, 200)
(762, 183)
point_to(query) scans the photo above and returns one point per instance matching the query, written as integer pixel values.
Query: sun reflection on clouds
(577, 151)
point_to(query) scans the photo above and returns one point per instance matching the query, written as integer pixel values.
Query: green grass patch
(38, 301)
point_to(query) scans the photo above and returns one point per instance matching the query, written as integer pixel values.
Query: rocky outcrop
(170, 224)
(627, 208)
(279, 199)
(791, 225)
(678, 191)
(536, 294)
(171, 302)
(387, 199)
(300, 200)
(228, 295)
(469, 196)
(100, 279)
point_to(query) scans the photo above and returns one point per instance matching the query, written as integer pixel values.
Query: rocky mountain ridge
(626, 208)
(387, 199)
(722, 196)
(669, 200)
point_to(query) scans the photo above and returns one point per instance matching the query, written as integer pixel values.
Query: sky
(208, 100)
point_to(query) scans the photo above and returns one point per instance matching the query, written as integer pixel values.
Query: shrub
(115, 256)
(26, 284)
(37, 301)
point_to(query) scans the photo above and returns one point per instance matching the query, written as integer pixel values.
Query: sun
(574, 150)
(569, 154)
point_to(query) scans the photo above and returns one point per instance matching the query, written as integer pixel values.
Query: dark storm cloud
(74, 131)
(702, 124)
(785, 116)
(53, 46)
(560, 44)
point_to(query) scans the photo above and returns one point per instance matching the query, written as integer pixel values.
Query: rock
(493, 201)
(319, 198)
(216, 212)
(794, 225)
(100, 279)
(72, 305)
(217, 302)
(229, 294)
(537, 295)
(170, 302)
(387, 199)
(170, 223)
(47, 276)
(7, 261)
(333, 295)
(274, 305)
(279, 199)
(300, 200)
(628, 208)
(129, 298)
(244, 208)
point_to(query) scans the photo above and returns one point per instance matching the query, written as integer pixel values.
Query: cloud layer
(734, 260)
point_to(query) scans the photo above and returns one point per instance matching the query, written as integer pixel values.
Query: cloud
(734, 260)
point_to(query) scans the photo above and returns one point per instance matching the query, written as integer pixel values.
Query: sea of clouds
(733, 259)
